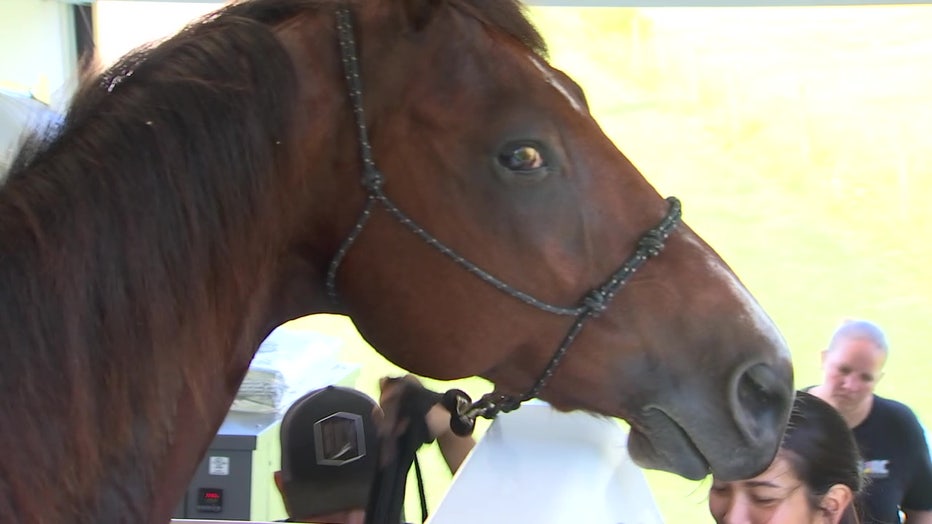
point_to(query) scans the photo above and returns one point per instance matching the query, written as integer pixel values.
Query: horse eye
(522, 158)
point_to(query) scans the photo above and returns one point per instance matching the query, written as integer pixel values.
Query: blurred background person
(889, 435)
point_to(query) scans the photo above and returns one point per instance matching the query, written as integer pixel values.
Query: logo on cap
(339, 439)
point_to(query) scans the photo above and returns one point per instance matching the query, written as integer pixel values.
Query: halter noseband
(592, 304)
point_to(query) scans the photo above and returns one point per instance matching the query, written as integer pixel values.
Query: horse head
(491, 190)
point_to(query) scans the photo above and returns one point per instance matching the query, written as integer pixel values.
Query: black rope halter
(592, 304)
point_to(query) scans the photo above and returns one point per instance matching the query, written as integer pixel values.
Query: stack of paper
(288, 364)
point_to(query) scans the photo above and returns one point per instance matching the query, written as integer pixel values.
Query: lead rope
(420, 488)
(463, 409)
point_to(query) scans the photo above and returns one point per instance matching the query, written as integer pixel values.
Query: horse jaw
(668, 448)
(679, 433)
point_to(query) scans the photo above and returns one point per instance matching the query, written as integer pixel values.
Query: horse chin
(658, 442)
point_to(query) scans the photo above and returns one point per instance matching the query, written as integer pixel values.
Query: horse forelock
(121, 248)
(509, 17)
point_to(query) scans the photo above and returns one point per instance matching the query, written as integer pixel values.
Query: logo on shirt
(876, 469)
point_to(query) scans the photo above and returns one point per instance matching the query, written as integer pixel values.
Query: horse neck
(120, 303)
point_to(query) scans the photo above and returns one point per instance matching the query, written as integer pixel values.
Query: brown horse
(200, 192)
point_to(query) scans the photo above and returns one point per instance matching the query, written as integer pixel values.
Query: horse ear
(419, 12)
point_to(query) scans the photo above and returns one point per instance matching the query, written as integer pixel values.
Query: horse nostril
(763, 399)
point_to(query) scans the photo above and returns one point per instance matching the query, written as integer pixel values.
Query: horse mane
(121, 231)
(117, 238)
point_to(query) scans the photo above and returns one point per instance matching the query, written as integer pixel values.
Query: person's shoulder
(894, 409)
(894, 406)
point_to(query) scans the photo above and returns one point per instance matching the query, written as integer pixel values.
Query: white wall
(122, 25)
(37, 50)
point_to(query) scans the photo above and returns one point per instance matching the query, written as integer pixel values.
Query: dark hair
(329, 452)
(822, 451)
(854, 328)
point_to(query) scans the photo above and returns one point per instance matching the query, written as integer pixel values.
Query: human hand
(391, 390)
(408, 407)
(437, 417)
(406, 401)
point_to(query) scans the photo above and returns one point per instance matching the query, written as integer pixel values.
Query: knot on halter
(372, 179)
(652, 242)
(596, 301)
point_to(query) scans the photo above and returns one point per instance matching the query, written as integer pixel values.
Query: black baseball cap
(329, 451)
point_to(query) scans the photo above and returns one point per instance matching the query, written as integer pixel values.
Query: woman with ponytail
(814, 478)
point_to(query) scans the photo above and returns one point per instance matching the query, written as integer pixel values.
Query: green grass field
(800, 141)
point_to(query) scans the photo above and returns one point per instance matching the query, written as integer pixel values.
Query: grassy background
(800, 141)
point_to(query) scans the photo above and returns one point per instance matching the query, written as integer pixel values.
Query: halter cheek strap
(592, 303)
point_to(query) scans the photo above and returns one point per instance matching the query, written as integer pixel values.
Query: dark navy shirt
(896, 462)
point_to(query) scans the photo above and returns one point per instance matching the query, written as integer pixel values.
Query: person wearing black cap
(329, 444)
(336, 442)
